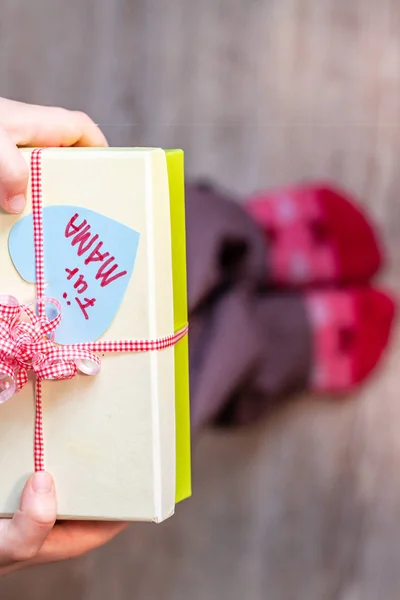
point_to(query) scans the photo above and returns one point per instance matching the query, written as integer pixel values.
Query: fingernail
(42, 483)
(16, 204)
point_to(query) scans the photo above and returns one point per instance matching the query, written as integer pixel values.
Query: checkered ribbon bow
(27, 333)
(26, 343)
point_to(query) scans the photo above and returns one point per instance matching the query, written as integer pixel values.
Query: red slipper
(316, 234)
(350, 329)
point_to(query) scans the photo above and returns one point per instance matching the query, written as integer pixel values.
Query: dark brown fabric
(224, 245)
(248, 345)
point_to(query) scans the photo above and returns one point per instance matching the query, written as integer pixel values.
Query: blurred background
(258, 93)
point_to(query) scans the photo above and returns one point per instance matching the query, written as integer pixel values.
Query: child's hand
(36, 126)
(30, 537)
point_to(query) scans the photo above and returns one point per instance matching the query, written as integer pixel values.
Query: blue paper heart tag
(88, 263)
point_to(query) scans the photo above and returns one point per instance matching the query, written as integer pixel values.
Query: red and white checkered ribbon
(27, 334)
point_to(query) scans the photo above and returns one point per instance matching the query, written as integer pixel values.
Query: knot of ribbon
(27, 333)
(27, 344)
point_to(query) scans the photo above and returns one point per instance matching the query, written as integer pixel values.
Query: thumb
(22, 537)
(14, 174)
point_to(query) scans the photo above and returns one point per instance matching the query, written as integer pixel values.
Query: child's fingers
(29, 125)
(70, 539)
(14, 175)
(38, 126)
(22, 537)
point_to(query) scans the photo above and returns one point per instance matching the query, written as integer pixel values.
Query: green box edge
(175, 167)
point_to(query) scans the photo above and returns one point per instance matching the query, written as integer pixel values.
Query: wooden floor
(257, 92)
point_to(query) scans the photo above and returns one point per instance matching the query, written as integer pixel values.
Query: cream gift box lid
(110, 440)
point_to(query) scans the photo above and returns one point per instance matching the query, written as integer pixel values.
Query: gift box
(93, 323)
